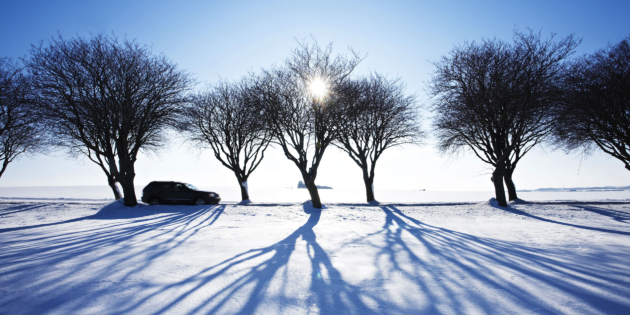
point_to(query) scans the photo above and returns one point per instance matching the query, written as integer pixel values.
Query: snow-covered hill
(80, 257)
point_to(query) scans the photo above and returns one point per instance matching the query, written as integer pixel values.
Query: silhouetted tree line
(108, 100)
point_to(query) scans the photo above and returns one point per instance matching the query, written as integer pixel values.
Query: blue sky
(226, 39)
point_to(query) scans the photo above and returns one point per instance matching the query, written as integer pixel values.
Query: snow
(232, 194)
(67, 256)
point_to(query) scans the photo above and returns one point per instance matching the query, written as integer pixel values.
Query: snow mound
(118, 210)
(245, 202)
(308, 207)
(491, 202)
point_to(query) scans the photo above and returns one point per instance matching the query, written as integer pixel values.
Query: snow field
(79, 257)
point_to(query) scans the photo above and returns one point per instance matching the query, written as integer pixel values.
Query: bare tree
(108, 100)
(226, 117)
(376, 115)
(596, 107)
(497, 99)
(20, 131)
(301, 109)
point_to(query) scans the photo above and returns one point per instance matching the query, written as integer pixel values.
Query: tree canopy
(107, 99)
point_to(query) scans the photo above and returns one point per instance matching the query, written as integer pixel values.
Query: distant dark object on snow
(301, 185)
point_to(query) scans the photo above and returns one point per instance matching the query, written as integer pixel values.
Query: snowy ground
(96, 257)
(232, 194)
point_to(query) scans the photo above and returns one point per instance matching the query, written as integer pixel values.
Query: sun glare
(318, 88)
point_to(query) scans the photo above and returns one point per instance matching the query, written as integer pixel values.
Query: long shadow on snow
(457, 263)
(114, 211)
(616, 215)
(329, 296)
(19, 208)
(607, 212)
(453, 269)
(47, 252)
(110, 211)
(79, 240)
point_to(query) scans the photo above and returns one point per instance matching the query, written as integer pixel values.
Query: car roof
(164, 181)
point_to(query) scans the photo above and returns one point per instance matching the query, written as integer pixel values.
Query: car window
(191, 186)
(165, 186)
(179, 187)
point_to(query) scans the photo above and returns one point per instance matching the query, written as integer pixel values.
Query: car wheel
(199, 202)
(154, 201)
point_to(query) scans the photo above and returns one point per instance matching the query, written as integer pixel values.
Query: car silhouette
(177, 193)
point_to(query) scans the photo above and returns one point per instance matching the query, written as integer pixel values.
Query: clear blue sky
(226, 39)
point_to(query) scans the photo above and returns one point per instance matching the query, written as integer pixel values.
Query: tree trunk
(312, 190)
(128, 190)
(112, 185)
(369, 188)
(5, 163)
(499, 191)
(244, 189)
(507, 177)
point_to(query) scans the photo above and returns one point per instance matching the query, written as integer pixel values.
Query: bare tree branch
(20, 130)
(226, 117)
(497, 99)
(596, 107)
(375, 115)
(302, 123)
(107, 99)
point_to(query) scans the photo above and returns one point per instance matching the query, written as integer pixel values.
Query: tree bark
(112, 185)
(499, 191)
(244, 191)
(369, 191)
(128, 190)
(4, 166)
(507, 177)
(112, 175)
(312, 190)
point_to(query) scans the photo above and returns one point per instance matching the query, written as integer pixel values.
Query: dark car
(176, 192)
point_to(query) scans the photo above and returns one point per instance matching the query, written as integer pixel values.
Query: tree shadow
(437, 270)
(19, 208)
(456, 268)
(95, 243)
(267, 268)
(115, 211)
(617, 215)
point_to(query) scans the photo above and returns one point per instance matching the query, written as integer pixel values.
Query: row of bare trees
(109, 100)
(304, 106)
(501, 99)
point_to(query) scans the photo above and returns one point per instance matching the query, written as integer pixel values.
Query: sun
(318, 88)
